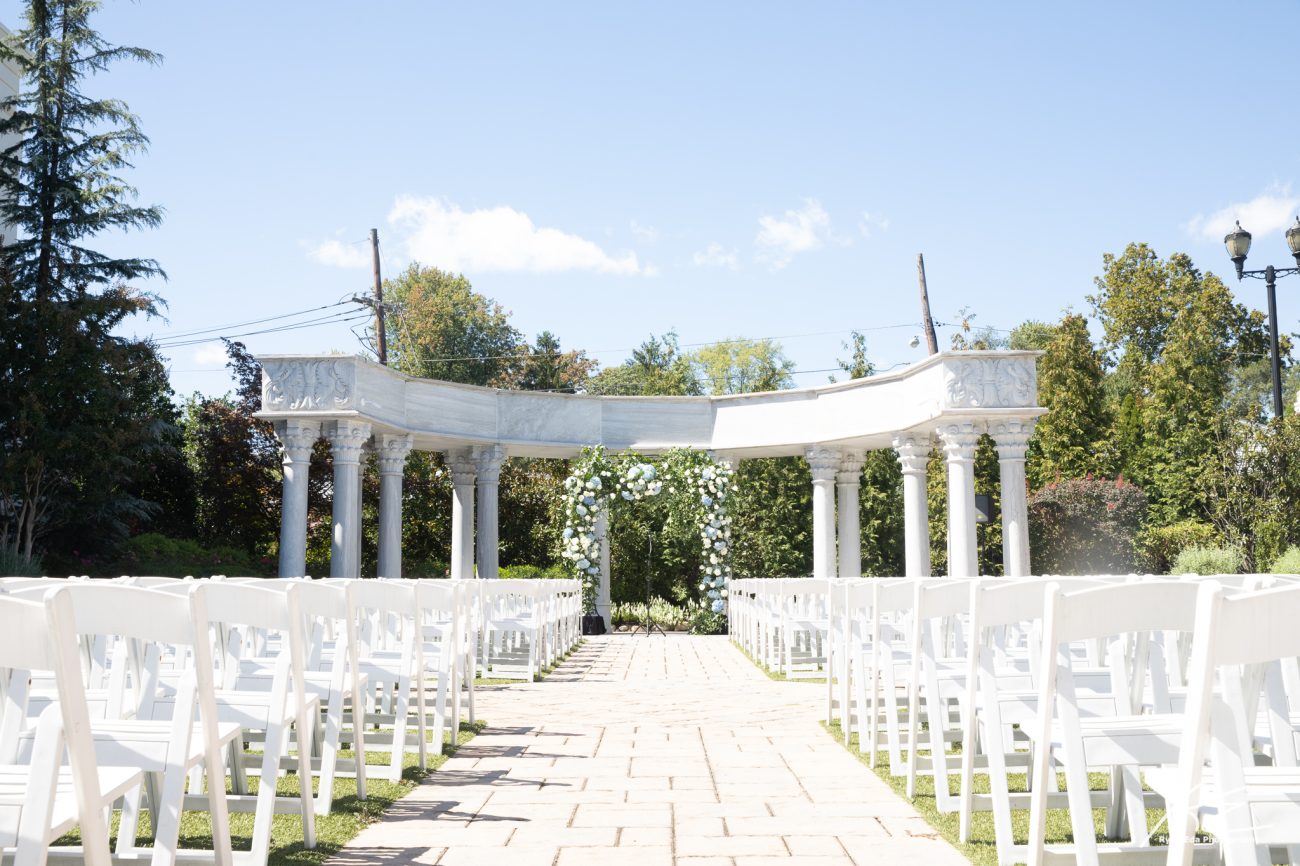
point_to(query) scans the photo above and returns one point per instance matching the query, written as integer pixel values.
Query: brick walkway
(652, 751)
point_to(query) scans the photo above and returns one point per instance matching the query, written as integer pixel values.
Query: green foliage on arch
(698, 488)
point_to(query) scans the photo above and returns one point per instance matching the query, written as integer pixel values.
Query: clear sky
(609, 170)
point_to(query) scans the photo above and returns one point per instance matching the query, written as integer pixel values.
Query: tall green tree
(1068, 441)
(71, 437)
(1177, 341)
(743, 366)
(545, 367)
(657, 368)
(443, 329)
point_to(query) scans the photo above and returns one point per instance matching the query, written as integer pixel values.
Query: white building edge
(948, 400)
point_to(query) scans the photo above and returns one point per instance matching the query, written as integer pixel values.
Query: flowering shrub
(700, 489)
(1086, 526)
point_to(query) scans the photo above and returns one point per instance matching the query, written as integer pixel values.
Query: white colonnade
(945, 403)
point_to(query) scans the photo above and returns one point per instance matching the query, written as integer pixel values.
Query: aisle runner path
(652, 751)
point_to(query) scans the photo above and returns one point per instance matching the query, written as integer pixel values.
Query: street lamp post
(1238, 244)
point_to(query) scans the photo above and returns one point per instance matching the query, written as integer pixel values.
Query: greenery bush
(156, 554)
(705, 621)
(1287, 563)
(1086, 526)
(534, 572)
(665, 614)
(1199, 559)
(14, 564)
(1162, 544)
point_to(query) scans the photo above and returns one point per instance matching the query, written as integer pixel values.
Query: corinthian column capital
(347, 439)
(824, 462)
(393, 450)
(297, 438)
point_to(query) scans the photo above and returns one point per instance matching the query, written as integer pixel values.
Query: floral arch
(699, 486)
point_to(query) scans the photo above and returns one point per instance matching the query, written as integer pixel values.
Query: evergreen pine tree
(1066, 441)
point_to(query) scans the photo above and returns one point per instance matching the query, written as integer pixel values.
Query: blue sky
(607, 171)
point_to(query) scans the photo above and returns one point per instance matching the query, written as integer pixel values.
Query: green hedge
(154, 554)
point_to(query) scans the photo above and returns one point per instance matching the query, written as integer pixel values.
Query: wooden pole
(381, 338)
(931, 339)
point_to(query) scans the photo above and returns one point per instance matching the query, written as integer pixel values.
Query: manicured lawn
(348, 817)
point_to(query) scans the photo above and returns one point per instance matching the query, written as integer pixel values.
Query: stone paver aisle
(652, 751)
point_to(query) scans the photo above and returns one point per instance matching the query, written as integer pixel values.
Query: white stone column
(1012, 438)
(297, 438)
(848, 482)
(825, 464)
(489, 459)
(460, 463)
(346, 441)
(603, 604)
(959, 441)
(393, 450)
(914, 455)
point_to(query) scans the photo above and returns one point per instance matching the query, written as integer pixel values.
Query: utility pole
(381, 338)
(932, 341)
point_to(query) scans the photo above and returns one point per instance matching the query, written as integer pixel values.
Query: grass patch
(542, 673)
(777, 676)
(348, 817)
(982, 848)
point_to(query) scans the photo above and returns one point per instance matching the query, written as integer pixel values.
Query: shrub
(156, 554)
(665, 614)
(14, 564)
(1086, 526)
(705, 621)
(1162, 544)
(534, 572)
(1287, 563)
(1199, 559)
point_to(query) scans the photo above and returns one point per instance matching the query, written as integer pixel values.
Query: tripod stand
(648, 624)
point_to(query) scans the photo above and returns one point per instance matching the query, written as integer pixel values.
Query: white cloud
(715, 256)
(438, 232)
(649, 234)
(870, 223)
(1271, 211)
(213, 354)
(795, 231)
(337, 254)
(501, 238)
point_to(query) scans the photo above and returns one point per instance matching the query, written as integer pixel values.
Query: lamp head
(914, 342)
(1238, 244)
(1293, 239)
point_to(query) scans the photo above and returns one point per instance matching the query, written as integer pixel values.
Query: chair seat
(1149, 740)
(1272, 792)
(15, 784)
(140, 743)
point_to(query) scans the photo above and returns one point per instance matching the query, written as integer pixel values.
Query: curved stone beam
(977, 387)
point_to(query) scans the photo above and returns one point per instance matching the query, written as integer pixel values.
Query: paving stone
(650, 752)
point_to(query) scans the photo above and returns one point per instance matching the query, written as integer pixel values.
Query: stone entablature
(952, 387)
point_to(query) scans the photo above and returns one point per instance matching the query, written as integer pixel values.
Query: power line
(336, 318)
(184, 334)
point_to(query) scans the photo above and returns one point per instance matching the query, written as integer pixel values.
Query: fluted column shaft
(825, 464)
(489, 459)
(848, 484)
(461, 465)
(297, 438)
(959, 442)
(1012, 440)
(914, 456)
(393, 450)
(603, 604)
(346, 438)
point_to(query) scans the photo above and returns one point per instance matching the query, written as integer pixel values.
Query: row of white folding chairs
(903, 664)
(145, 675)
(527, 625)
(782, 623)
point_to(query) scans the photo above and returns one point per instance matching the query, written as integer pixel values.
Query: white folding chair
(41, 799)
